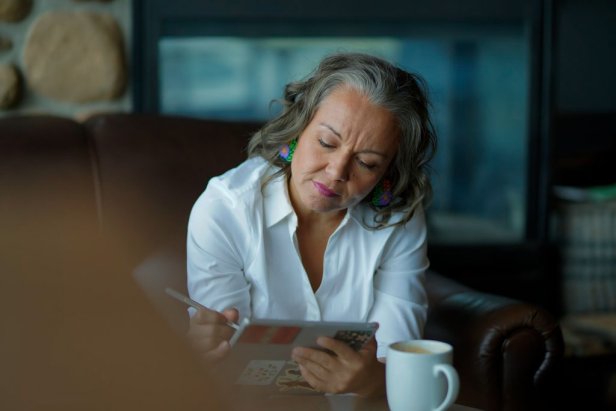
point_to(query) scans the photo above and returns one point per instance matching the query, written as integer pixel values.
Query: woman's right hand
(209, 334)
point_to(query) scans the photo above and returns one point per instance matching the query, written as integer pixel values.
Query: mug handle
(453, 385)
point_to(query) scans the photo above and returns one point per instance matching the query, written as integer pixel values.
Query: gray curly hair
(385, 85)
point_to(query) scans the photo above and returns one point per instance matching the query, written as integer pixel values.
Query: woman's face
(342, 154)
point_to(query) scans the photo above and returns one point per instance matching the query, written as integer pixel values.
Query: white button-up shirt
(243, 252)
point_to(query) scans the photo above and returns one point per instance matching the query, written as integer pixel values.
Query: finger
(217, 353)
(204, 337)
(369, 348)
(204, 347)
(316, 369)
(232, 314)
(205, 316)
(216, 331)
(304, 355)
(341, 349)
(317, 362)
(312, 379)
(210, 323)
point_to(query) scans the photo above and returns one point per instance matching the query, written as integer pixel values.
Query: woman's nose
(338, 167)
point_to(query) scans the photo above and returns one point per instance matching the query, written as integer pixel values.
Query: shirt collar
(356, 213)
(276, 200)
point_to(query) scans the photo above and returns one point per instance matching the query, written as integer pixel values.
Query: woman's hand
(209, 334)
(344, 371)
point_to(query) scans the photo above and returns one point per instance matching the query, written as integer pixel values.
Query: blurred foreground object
(76, 333)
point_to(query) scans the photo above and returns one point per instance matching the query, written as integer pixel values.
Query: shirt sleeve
(215, 261)
(400, 300)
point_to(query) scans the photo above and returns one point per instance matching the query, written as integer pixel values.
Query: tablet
(260, 356)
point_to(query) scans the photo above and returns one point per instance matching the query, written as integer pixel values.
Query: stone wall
(64, 57)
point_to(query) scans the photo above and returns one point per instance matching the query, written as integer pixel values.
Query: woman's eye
(366, 165)
(324, 144)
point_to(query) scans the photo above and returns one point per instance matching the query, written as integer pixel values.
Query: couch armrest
(505, 350)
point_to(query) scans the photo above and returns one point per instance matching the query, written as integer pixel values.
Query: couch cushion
(46, 177)
(152, 169)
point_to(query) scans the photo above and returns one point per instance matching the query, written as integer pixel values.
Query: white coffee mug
(420, 376)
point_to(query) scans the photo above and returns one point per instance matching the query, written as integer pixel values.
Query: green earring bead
(381, 194)
(287, 150)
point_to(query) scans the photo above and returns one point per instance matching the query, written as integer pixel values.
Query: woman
(324, 221)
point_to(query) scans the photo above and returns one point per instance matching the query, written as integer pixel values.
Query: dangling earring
(381, 194)
(287, 150)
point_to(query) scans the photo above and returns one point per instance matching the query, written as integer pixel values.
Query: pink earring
(287, 150)
(381, 194)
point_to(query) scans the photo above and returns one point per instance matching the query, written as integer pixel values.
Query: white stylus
(189, 301)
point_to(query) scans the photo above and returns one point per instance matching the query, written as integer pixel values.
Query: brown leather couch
(131, 180)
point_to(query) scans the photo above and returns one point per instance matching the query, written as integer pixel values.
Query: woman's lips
(322, 188)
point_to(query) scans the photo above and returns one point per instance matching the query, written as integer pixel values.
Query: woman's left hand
(344, 371)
